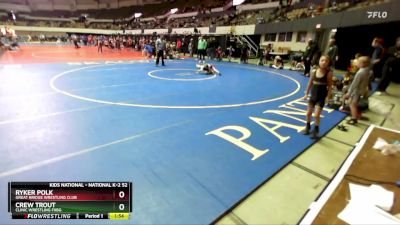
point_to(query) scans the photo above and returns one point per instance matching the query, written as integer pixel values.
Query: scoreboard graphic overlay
(70, 200)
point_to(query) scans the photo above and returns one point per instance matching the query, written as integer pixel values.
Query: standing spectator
(149, 48)
(75, 40)
(191, 47)
(160, 46)
(118, 43)
(85, 39)
(231, 50)
(219, 53)
(311, 56)
(100, 43)
(358, 88)
(260, 55)
(267, 52)
(391, 67)
(184, 46)
(111, 42)
(307, 58)
(130, 42)
(316, 55)
(173, 48)
(42, 38)
(201, 49)
(333, 52)
(244, 54)
(90, 39)
(212, 47)
(377, 57)
(144, 50)
(179, 45)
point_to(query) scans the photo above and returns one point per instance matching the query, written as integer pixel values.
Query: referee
(160, 46)
(201, 49)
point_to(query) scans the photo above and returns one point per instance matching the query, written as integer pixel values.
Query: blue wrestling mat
(192, 144)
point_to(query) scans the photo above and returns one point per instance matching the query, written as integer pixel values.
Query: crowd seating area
(306, 9)
(148, 10)
(122, 18)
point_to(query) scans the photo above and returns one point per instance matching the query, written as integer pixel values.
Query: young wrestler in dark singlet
(320, 86)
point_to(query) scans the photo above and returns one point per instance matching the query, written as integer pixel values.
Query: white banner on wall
(222, 30)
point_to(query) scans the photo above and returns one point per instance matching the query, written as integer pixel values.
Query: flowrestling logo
(377, 14)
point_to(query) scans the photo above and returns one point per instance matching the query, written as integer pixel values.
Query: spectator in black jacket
(309, 56)
(333, 52)
(244, 54)
(377, 56)
(391, 67)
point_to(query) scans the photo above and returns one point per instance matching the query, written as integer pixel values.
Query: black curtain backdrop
(352, 40)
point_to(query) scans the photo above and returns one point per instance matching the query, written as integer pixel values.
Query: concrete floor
(285, 198)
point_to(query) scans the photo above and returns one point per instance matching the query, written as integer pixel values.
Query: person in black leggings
(310, 54)
(160, 48)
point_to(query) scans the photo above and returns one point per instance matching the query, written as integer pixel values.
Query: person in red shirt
(219, 53)
(179, 45)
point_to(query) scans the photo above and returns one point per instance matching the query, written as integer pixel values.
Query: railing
(246, 40)
(251, 41)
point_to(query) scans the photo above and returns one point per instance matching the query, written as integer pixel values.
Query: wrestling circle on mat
(193, 145)
(214, 89)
